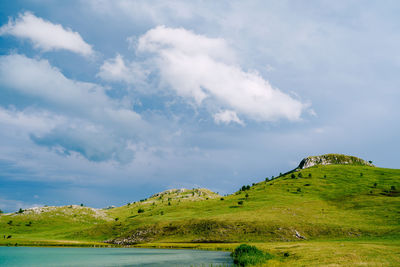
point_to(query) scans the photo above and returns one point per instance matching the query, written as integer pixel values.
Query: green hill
(332, 202)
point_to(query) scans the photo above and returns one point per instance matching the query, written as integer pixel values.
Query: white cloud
(115, 70)
(38, 79)
(198, 68)
(30, 119)
(227, 116)
(45, 35)
(75, 115)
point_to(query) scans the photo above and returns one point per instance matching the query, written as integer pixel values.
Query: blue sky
(107, 102)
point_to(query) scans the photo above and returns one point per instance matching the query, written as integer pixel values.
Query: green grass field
(333, 215)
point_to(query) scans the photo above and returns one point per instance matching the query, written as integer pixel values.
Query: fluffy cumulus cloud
(204, 70)
(45, 35)
(74, 116)
(227, 116)
(116, 70)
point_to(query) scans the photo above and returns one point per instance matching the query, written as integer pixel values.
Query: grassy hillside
(336, 201)
(332, 203)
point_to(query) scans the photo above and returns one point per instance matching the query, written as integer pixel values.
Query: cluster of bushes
(245, 255)
(245, 187)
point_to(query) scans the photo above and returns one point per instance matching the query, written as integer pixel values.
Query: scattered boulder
(298, 235)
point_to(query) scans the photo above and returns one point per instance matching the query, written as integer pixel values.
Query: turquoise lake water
(54, 256)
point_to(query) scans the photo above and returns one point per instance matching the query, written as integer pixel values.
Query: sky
(107, 102)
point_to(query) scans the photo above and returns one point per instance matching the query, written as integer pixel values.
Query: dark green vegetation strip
(245, 255)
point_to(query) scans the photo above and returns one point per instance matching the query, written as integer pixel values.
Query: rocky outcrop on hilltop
(329, 159)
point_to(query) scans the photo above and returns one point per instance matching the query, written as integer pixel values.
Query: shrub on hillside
(240, 202)
(245, 187)
(140, 210)
(293, 176)
(245, 255)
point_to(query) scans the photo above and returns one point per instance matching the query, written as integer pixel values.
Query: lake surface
(54, 256)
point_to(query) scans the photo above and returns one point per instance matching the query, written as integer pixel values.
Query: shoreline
(88, 244)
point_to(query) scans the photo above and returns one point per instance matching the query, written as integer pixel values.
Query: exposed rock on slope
(329, 159)
(185, 194)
